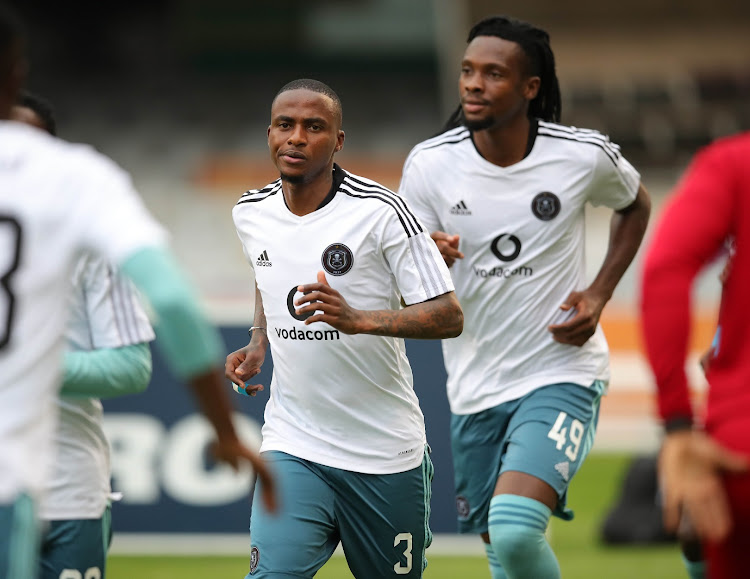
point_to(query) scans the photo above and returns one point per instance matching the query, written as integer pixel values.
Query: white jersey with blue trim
(106, 312)
(341, 400)
(522, 233)
(57, 200)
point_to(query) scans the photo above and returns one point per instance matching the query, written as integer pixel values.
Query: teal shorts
(380, 520)
(19, 539)
(548, 433)
(76, 548)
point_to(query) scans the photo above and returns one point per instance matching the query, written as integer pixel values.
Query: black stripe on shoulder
(369, 190)
(583, 134)
(398, 199)
(268, 188)
(254, 195)
(612, 154)
(448, 138)
(580, 133)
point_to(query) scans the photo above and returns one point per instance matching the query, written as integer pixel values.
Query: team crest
(254, 559)
(546, 206)
(462, 507)
(337, 259)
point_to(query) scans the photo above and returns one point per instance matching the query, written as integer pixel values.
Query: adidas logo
(460, 208)
(564, 469)
(263, 260)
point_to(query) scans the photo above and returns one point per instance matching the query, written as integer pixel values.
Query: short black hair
(11, 33)
(535, 44)
(42, 108)
(314, 86)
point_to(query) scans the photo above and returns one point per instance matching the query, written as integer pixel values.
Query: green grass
(576, 544)
(237, 567)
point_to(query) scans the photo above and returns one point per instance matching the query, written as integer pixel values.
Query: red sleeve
(692, 230)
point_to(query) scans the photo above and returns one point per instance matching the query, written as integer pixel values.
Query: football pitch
(577, 544)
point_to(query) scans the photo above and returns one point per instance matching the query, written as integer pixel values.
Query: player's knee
(514, 544)
(517, 526)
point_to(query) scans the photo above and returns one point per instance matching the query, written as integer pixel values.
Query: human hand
(233, 452)
(321, 297)
(576, 331)
(690, 472)
(242, 365)
(448, 246)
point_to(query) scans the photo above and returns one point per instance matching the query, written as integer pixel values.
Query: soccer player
(57, 200)
(333, 256)
(108, 337)
(503, 191)
(704, 471)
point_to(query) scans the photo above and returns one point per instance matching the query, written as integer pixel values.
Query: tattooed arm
(440, 317)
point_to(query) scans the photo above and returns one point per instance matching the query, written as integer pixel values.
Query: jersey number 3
(10, 238)
(398, 567)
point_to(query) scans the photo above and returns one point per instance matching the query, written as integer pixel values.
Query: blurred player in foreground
(705, 471)
(503, 191)
(690, 546)
(58, 200)
(108, 339)
(343, 427)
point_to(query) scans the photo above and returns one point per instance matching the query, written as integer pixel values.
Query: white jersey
(105, 313)
(522, 234)
(56, 200)
(339, 400)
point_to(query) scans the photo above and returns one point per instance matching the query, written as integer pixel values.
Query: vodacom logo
(506, 247)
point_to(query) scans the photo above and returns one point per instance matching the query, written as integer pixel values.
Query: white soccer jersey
(339, 400)
(522, 234)
(56, 199)
(105, 313)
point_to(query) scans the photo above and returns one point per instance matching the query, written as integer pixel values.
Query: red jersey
(711, 205)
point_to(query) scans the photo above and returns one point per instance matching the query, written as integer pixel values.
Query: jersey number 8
(10, 238)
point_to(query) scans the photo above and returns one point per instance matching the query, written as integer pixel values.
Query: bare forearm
(438, 318)
(213, 400)
(259, 336)
(626, 232)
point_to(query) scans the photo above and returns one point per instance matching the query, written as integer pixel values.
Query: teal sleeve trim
(716, 341)
(189, 343)
(107, 372)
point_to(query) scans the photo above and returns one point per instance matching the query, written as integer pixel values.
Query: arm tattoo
(439, 317)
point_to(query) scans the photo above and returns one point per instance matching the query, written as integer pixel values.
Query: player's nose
(297, 136)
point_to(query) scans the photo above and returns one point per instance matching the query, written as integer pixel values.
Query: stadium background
(178, 92)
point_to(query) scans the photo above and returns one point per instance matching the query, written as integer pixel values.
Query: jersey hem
(80, 514)
(521, 390)
(415, 459)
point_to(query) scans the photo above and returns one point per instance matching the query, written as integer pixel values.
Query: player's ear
(532, 87)
(268, 131)
(339, 141)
